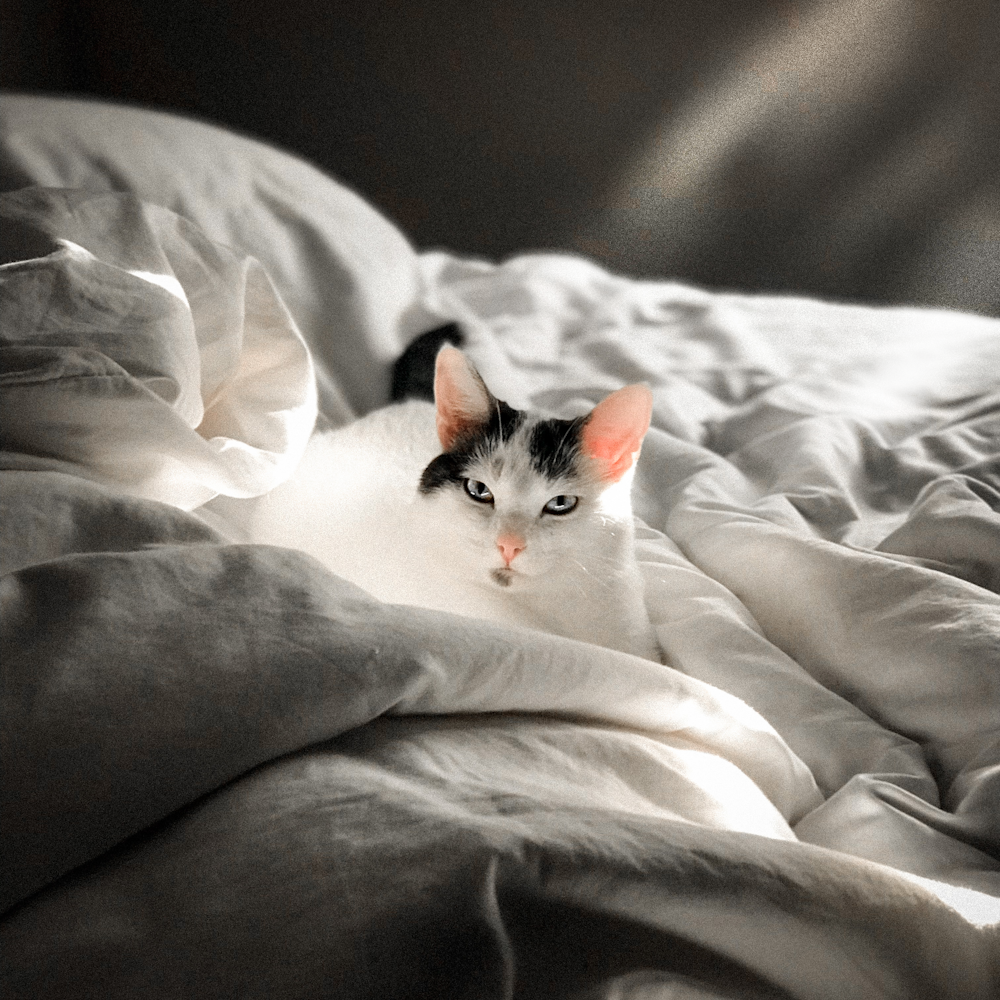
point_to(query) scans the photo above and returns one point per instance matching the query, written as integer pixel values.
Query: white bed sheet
(819, 496)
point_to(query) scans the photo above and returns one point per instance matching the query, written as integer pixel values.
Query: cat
(467, 505)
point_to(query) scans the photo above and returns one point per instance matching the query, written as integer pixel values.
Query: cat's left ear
(463, 402)
(613, 433)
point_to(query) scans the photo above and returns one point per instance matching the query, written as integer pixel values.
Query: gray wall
(847, 148)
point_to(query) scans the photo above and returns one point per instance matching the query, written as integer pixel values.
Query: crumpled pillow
(349, 277)
(139, 354)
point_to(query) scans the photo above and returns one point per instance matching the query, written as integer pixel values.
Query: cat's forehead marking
(554, 446)
(475, 445)
(514, 445)
(503, 425)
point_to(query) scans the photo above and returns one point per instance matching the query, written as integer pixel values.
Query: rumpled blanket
(139, 353)
(227, 772)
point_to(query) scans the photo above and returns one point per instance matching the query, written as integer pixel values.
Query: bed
(227, 772)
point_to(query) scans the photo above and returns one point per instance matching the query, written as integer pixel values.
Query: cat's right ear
(463, 402)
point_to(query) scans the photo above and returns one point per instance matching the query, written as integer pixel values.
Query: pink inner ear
(462, 399)
(614, 431)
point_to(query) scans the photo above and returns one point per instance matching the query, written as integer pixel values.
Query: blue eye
(478, 491)
(560, 505)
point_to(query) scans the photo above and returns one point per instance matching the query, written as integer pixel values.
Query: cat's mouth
(503, 576)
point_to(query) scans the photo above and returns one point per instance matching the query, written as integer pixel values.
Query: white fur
(354, 504)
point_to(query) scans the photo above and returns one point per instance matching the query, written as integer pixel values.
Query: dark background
(846, 148)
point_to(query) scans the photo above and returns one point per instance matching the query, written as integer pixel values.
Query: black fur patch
(413, 372)
(554, 446)
(446, 469)
(451, 466)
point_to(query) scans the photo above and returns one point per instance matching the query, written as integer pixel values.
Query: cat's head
(529, 496)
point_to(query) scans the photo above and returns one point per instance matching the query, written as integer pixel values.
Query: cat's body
(474, 508)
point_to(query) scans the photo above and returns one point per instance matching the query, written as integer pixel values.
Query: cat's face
(524, 498)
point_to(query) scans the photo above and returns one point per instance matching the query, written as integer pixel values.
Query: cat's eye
(561, 504)
(478, 491)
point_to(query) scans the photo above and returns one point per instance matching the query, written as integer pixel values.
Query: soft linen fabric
(459, 854)
(346, 274)
(234, 774)
(138, 353)
(796, 446)
(204, 621)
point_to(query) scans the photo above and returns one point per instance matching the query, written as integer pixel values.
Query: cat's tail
(413, 372)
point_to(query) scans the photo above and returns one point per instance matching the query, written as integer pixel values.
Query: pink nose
(510, 547)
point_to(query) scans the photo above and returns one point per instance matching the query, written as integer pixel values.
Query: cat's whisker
(600, 581)
(570, 428)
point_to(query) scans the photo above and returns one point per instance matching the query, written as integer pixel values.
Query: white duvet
(819, 497)
(826, 479)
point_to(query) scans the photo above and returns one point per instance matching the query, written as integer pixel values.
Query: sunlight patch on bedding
(739, 803)
(166, 281)
(978, 908)
(74, 248)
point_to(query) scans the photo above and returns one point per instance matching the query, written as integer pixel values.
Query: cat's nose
(510, 547)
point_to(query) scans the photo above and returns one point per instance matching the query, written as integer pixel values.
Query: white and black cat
(467, 505)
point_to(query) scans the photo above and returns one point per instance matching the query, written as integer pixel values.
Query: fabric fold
(141, 355)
